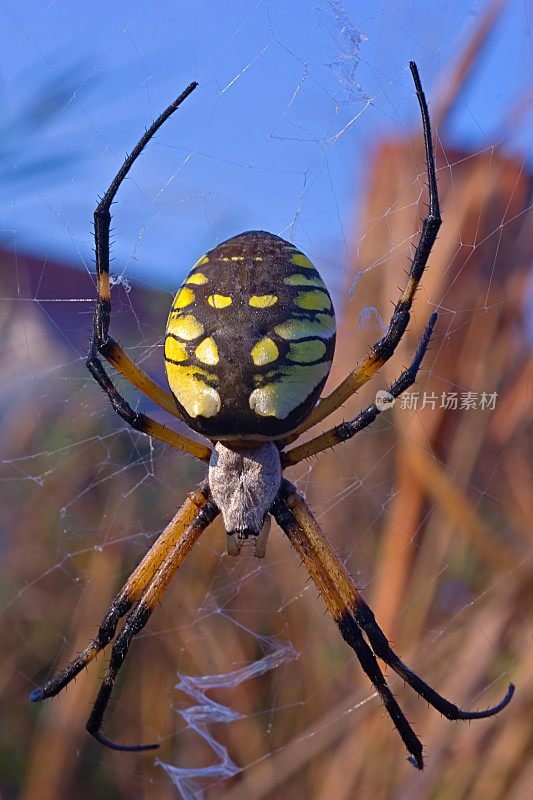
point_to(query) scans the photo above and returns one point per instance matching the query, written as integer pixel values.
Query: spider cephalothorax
(249, 344)
(244, 483)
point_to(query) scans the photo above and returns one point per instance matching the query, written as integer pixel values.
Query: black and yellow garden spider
(249, 345)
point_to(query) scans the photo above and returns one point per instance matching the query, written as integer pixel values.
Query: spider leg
(138, 618)
(314, 547)
(102, 220)
(381, 647)
(102, 344)
(140, 422)
(344, 431)
(327, 582)
(384, 349)
(130, 592)
(115, 355)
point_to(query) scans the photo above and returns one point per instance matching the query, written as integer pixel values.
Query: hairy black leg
(129, 594)
(325, 582)
(354, 617)
(138, 618)
(102, 344)
(344, 431)
(385, 347)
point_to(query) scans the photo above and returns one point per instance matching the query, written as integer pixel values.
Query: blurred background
(305, 124)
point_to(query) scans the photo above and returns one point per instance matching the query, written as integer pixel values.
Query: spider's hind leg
(101, 342)
(386, 346)
(103, 345)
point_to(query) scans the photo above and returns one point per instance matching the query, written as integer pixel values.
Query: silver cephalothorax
(244, 484)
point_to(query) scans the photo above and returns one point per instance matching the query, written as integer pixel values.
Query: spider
(249, 345)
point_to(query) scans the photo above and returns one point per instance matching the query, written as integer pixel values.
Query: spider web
(305, 124)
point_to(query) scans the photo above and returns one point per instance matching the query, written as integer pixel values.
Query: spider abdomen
(250, 339)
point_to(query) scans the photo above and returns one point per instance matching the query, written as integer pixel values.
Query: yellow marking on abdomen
(219, 300)
(198, 278)
(264, 351)
(186, 327)
(174, 350)
(263, 300)
(197, 398)
(307, 351)
(301, 261)
(183, 298)
(207, 351)
(314, 300)
(279, 398)
(322, 325)
(301, 280)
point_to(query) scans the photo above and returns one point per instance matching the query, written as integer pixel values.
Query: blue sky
(292, 95)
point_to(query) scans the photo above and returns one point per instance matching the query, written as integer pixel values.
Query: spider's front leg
(174, 543)
(354, 617)
(138, 618)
